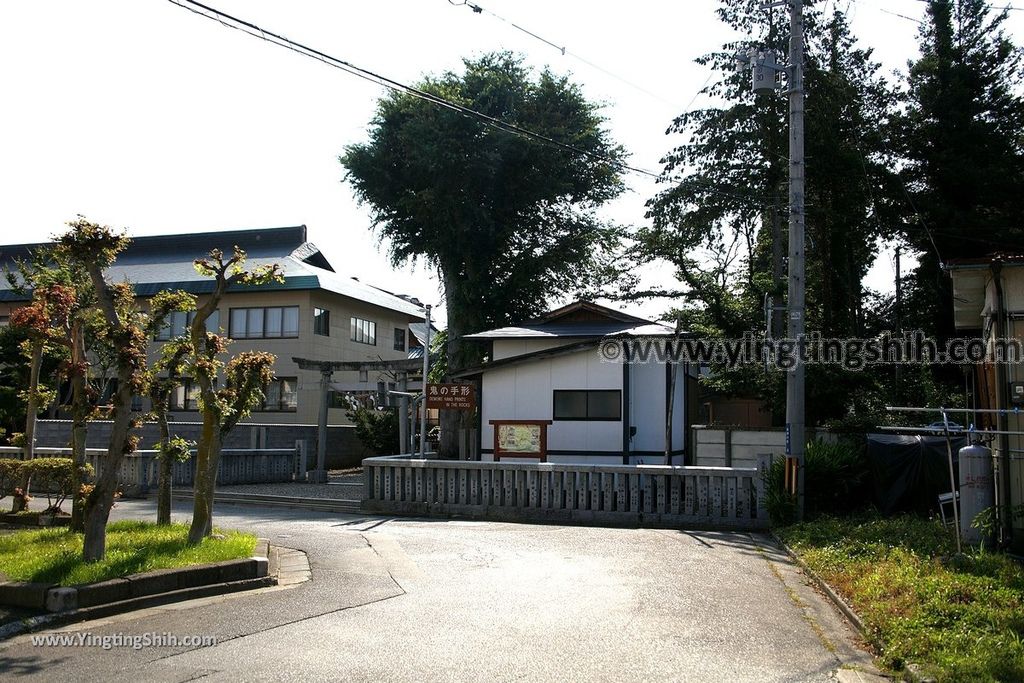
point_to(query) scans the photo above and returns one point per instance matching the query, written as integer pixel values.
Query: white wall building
(602, 411)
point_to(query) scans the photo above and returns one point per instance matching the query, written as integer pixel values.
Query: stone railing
(642, 495)
(138, 472)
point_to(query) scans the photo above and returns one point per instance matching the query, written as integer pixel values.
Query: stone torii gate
(401, 368)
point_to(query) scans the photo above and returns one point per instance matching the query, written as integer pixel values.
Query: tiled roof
(166, 262)
(578, 330)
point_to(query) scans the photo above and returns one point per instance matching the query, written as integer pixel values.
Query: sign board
(451, 396)
(521, 438)
(515, 438)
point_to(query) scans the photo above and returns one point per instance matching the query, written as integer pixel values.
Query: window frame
(400, 335)
(587, 417)
(264, 333)
(363, 335)
(186, 385)
(282, 407)
(321, 321)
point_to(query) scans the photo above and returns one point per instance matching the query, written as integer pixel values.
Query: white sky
(140, 114)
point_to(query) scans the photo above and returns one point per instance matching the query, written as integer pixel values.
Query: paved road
(415, 600)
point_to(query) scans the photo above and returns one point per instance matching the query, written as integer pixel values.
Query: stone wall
(343, 447)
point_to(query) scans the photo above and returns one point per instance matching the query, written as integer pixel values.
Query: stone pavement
(416, 599)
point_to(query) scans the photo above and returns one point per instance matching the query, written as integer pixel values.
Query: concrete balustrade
(642, 495)
(139, 471)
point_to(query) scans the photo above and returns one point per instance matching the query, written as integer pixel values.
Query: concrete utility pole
(426, 370)
(899, 322)
(795, 408)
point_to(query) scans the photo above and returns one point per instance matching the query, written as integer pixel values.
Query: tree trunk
(79, 418)
(163, 496)
(31, 415)
(454, 423)
(32, 409)
(207, 458)
(97, 510)
(101, 499)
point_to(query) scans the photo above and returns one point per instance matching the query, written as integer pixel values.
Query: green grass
(55, 555)
(960, 617)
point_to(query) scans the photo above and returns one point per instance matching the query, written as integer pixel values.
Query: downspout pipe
(1002, 402)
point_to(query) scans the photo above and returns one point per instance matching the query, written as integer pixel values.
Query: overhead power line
(252, 29)
(477, 9)
(999, 7)
(277, 39)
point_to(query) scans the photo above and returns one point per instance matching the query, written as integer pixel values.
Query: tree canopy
(508, 222)
(722, 224)
(960, 143)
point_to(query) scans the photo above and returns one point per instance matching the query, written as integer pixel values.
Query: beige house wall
(338, 346)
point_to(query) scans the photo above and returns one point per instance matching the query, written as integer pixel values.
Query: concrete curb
(847, 611)
(910, 672)
(138, 591)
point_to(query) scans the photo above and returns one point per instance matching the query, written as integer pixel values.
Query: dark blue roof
(160, 262)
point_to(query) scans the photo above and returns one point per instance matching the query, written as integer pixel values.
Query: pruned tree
(507, 222)
(50, 306)
(51, 277)
(246, 377)
(125, 328)
(166, 378)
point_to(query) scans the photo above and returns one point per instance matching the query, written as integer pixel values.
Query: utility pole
(763, 69)
(795, 407)
(426, 371)
(899, 322)
(776, 326)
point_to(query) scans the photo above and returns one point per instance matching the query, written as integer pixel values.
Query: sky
(141, 114)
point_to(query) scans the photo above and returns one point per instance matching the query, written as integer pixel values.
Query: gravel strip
(296, 489)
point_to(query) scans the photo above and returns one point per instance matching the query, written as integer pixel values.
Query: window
(399, 339)
(178, 323)
(5, 320)
(185, 396)
(280, 396)
(264, 323)
(322, 322)
(601, 404)
(364, 331)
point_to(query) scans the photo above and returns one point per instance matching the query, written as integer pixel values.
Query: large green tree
(721, 220)
(960, 138)
(508, 222)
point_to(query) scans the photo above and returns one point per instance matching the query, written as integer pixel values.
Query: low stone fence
(641, 495)
(139, 471)
(343, 447)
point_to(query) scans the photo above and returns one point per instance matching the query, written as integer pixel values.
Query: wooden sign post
(451, 396)
(521, 439)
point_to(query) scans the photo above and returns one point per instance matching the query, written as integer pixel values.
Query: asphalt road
(425, 600)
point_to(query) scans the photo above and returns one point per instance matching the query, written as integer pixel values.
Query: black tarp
(910, 472)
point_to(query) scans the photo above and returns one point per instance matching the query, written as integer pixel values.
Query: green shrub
(10, 476)
(376, 429)
(55, 477)
(836, 482)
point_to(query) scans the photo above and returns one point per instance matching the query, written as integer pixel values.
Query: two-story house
(315, 313)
